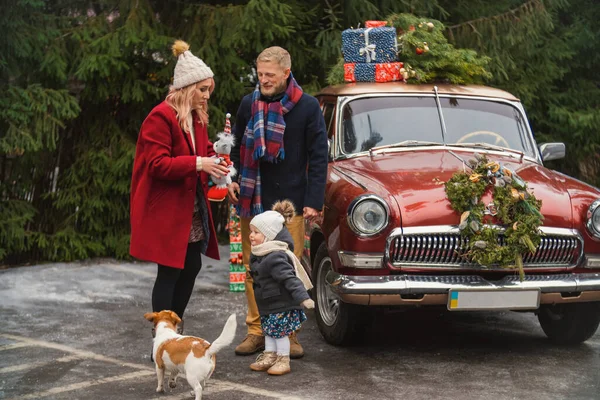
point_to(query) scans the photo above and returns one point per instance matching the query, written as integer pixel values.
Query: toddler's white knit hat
(269, 223)
(189, 68)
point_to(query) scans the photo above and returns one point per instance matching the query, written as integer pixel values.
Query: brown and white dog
(189, 355)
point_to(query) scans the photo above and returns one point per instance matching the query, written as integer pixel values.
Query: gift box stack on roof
(370, 53)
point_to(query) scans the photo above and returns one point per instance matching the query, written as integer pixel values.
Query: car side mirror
(552, 151)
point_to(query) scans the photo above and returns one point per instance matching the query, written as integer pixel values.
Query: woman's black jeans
(173, 287)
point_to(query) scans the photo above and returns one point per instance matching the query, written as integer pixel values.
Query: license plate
(494, 299)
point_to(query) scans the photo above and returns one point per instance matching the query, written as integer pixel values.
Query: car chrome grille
(443, 247)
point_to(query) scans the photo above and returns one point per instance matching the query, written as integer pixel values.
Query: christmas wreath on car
(514, 206)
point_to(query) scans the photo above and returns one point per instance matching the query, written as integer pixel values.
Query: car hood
(415, 180)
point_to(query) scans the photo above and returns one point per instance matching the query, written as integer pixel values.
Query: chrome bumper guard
(363, 289)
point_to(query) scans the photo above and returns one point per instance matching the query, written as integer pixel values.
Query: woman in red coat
(171, 222)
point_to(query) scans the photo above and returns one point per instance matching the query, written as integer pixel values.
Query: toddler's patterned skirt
(282, 324)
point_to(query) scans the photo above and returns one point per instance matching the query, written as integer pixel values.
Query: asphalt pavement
(76, 331)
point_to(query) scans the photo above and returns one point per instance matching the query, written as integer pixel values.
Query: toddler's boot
(296, 350)
(281, 366)
(264, 361)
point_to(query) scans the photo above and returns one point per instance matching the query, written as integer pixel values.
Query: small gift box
(375, 24)
(380, 72)
(369, 45)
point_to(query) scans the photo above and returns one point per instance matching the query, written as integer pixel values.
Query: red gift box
(375, 24)
(349, 72)
(379, 72)
(388, 72)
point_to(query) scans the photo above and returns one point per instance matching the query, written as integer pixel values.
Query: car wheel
(339, 323)
(570, 323)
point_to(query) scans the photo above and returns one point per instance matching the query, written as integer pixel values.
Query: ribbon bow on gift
(369, 49)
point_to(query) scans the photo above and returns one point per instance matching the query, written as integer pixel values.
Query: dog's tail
(225, 338)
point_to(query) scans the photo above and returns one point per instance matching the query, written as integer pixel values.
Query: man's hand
(232, 191)
(311, 214)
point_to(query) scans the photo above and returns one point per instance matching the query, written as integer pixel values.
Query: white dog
(189, 355)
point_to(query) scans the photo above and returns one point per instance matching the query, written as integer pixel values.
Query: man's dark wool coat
(300, 176)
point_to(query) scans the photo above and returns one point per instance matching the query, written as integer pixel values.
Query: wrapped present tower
(237, 271)
(422, 47)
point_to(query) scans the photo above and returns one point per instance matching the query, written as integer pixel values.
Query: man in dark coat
(280, 153)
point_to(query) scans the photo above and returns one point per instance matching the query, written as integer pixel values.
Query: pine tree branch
(532, 4)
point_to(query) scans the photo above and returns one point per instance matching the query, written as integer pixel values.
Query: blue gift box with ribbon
(369, 45)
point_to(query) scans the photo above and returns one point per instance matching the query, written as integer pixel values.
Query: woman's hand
(308, 303)
(213, 167)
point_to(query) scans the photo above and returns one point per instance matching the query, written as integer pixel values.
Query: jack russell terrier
(189, 355)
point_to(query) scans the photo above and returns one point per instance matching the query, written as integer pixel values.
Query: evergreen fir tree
(79, 77)
(546, 53)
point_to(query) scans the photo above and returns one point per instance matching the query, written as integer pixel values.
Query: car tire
(570, 323)
(340, 323)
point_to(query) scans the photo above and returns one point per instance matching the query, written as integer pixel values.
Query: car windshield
(370, 123)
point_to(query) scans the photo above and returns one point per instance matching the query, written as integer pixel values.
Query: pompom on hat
(271, 222)
(189, 68)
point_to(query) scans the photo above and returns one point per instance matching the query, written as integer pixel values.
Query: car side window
(328, 115)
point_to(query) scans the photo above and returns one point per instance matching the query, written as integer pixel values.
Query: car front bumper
(433, 290)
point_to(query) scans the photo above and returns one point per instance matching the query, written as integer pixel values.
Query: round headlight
(368, 215)
(593, 219)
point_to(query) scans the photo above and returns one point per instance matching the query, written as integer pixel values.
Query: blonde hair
(181, 100)
(277, 55)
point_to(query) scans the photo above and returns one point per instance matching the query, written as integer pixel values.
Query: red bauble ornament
(419, 51)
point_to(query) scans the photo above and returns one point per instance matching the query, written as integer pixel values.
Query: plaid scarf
(262, 143)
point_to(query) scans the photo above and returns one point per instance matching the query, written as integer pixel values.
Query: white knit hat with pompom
(189, 68)
(269, 223)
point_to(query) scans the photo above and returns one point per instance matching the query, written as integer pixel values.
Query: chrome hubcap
(329, 304)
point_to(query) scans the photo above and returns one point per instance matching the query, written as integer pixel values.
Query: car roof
(350, 89)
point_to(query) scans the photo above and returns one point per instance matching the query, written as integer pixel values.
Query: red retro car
(389, 237)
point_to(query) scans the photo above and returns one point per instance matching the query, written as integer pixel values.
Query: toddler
(280, 286)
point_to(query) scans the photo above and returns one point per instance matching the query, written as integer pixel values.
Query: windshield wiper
(406, 143)
(486, 146)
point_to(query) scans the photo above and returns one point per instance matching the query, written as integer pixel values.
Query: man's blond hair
(277, 55)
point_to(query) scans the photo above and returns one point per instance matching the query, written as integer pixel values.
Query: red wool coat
(163, 187)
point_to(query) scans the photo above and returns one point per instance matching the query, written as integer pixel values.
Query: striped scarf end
(258, 153)
(257, 209)
(242, 212)
(274, 160)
